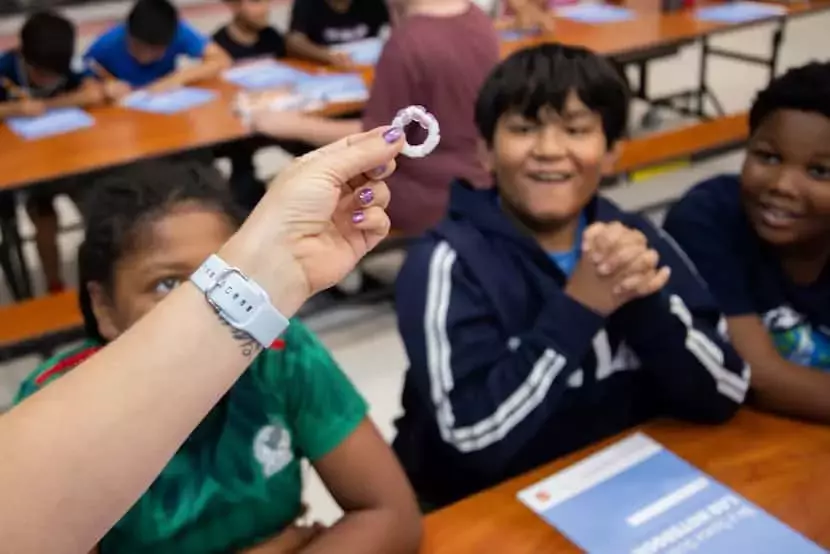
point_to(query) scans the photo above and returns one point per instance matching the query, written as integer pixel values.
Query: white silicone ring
(426, 120)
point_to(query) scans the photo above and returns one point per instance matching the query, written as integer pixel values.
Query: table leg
(14, 263)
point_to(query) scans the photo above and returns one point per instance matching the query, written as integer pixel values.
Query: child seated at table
(235, 485)
(539, 317)
(249, 35)
(761, 240)
(420, 64)
(142, 52)
(36, 76)
(317, 25)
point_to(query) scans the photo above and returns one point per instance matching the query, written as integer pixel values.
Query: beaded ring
(427, 121)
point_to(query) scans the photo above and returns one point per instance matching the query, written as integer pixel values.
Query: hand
(340, 59)
(533, 17)
(31, 108)
(291, 540)
(162, 85)
(318, 219)
(283, 125)
(116, 90)
(616, 267)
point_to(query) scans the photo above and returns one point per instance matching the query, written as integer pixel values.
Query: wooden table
(782, 466)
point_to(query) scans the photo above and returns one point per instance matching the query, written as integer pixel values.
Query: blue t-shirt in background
(567, 260)
(111, 52)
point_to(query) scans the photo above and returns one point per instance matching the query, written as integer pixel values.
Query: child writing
(317, 25)
(37, 76)
(538, 317)
(249, 35)
(235, 485)
(761, 240)
(142, 52)
(420, 64)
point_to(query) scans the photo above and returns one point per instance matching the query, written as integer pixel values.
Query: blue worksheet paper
(170, 102)
(263, 75)
(637, 497)
(738, 12)
(511, 35)
(54, 122)
(595, 13)
(363, 52)
(333, 88)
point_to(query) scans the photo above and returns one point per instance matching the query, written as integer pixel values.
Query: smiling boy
(762, 242)
(535, 316)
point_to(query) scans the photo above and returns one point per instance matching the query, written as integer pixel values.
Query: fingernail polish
(378, 171)
(366, 196)
(392, 135)
(358, 216)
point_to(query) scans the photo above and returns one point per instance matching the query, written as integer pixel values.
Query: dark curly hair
(47, 42)
(805, 88)
(121, 205)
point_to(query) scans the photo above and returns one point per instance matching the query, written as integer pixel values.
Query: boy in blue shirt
(37, 76)
(535, 316)
(761, 240)
(142, 52)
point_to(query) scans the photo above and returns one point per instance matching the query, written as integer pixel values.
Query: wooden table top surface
(122, 136)
(780, 465)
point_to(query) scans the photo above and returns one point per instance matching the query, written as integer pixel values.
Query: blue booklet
(362, 52)
(333, 88)
(595, 13)
(54, 122)
(265, 74)
(170, 102)
(637, 497)
(739, 12)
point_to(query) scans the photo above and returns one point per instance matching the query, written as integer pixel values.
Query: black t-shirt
(322, 24)
(12, 69)
(745, 275)
(269, 43)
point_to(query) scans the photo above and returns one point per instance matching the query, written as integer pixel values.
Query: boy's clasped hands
(616, 267)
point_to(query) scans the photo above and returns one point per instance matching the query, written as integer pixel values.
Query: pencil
(14, 90)
(100, 72)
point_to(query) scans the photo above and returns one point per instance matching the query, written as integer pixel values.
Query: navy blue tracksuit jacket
(507, 372)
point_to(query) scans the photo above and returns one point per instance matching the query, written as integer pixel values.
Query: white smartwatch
(241, 302)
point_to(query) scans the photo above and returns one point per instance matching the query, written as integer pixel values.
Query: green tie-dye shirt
(237, 480)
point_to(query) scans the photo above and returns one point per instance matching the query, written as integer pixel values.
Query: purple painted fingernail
(378, 171)
(358, 216)
(392, 135)
(366, 196)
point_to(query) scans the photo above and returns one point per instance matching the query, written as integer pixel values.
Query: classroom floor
(365, 340)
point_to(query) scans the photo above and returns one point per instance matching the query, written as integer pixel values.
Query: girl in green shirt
(235, 485)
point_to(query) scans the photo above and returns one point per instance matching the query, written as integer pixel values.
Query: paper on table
(739, 12)
(362, 52)
(595, 13)
(637, 497)
(264, 74)
(334, 88)
(54, 122)
(168, 102)
(510, 35)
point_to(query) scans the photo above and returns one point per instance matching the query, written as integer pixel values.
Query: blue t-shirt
(111, 52)
(745, 275)
(12, 68)
(567, 260)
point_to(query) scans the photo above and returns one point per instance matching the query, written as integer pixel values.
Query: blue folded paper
(168, 102)
(739, 12)
(264, 75)
(362, 52)
(595, 13)
(332, 88)
(54, 122)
